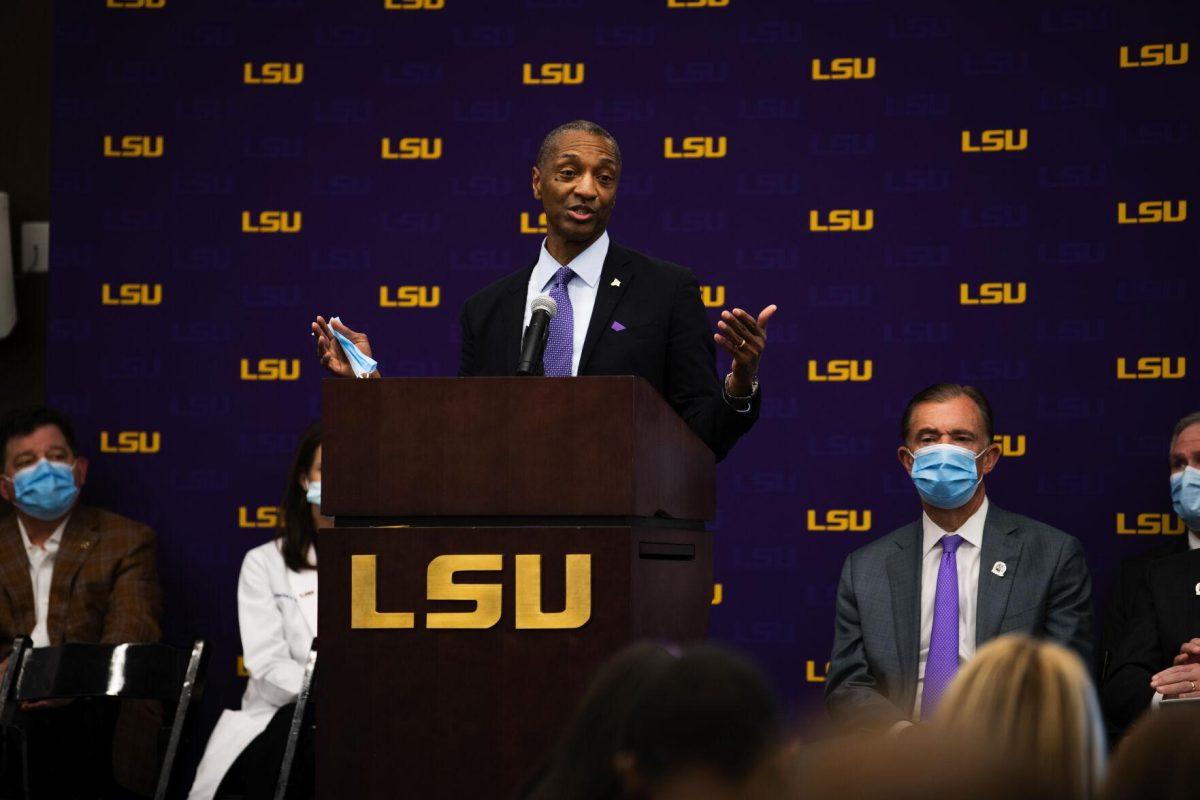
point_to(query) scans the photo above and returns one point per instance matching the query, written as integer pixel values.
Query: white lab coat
(277, 614)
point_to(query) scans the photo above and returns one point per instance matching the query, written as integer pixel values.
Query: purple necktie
(560, 344)
(942, 662)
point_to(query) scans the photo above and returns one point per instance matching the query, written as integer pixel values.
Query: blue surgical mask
(1185, 496)
(314, 493)
(45, 490)
(945, 474)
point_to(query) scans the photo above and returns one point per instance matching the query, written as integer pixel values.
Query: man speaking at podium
(618, 312)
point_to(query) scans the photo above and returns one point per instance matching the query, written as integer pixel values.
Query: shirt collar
(587, 265)
(50, 544)
(971, 530)
(1193, 540)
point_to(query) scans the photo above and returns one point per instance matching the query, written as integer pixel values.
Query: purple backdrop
(162, 305)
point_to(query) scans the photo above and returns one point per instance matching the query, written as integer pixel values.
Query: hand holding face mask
(945, 474)
(45, 490)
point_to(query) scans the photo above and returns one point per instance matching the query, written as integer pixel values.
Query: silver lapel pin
(616, 282)
(1198, 590)
(999, 568)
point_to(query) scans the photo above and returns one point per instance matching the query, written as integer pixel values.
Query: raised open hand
(744, 338)
(331, 354)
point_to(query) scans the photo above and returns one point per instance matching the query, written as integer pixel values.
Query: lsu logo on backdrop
(411, 148)
(840, 370)
(271, 369)
(992, 294)
(273, 72)
(148, 5)
(487, 597)
(840, 519)
(413, 5)
(528, 227)
(810, 672)
(995, 140)
(1155, 55)
(696, 147)
(259, 517)
(271, 222)
(841, 220)
(553, 74)
(1010, 446)
(131, 294)
(410, 296)
(139, 442)
(1152, 368)
(712, 296)
(1149, 525)
(844, 69)
(697, 3)
(133, 147)
(1150, 212)
(718, 595)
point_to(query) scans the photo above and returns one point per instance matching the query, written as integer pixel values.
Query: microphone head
(543, 302)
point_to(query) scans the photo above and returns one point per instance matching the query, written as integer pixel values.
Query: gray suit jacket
(1045, 591)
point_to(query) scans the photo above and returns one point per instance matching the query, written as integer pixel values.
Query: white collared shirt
(1193, 540)
(41, 572)
(581, 289)
(966, 559)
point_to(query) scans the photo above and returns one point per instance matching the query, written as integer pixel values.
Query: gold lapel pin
(85, 544)
(616, 282)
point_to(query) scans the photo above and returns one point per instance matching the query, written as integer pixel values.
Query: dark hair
(24, 421)
(940, 393)
(576, 125)
(710, 708)
(581, 767)
(1183, 424)
(296, 529)
(1138, 770)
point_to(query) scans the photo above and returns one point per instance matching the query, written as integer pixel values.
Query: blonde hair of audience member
(1032, 702)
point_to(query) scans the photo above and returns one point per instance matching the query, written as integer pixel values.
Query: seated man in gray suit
(915, 604)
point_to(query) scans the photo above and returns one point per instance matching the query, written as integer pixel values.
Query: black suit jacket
(667, 339)
(1166, 613)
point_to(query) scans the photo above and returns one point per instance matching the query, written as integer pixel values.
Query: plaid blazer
(104, 587)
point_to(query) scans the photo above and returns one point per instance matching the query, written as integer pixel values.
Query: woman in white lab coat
(277, 615)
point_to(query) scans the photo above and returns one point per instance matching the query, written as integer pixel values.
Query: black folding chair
(299, 721)
(124, 671)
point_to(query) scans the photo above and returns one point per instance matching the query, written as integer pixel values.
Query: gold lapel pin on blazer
(999, 568)
(85, 544)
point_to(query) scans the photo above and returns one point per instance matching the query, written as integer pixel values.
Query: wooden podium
(496, 539)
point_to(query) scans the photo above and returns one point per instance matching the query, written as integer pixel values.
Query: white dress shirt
(41, 573)
(581, 289)
(966, 558)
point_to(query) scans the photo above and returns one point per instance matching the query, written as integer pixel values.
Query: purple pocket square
(618, 327)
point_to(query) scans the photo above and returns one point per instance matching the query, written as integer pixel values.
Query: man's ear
(906, 459)
(7, 491)
(80, 470)
(537, 189)
(989, 459)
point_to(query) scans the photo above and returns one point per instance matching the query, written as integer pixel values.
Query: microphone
(543, 309)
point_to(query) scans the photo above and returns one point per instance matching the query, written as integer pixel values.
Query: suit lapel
(14, 572)
(78, 539)
(1001, 543)
(512, 318)
(1192, 592)
(617, 267)
(904, 580)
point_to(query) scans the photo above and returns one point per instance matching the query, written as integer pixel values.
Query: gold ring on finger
(741, 344)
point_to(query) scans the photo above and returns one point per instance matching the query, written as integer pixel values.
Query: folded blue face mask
(362, 365)
(945, 474)
(314, 493)
(1185, 496)
(45, 490)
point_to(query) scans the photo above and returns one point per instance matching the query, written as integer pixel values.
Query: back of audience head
(658, 723)
(1158, 758)
(1033, 702)
(707, 725)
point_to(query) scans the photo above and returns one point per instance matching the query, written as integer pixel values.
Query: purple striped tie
(942, 662)
(560, 344)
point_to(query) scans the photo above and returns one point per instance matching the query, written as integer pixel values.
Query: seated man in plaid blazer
(72, 573)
